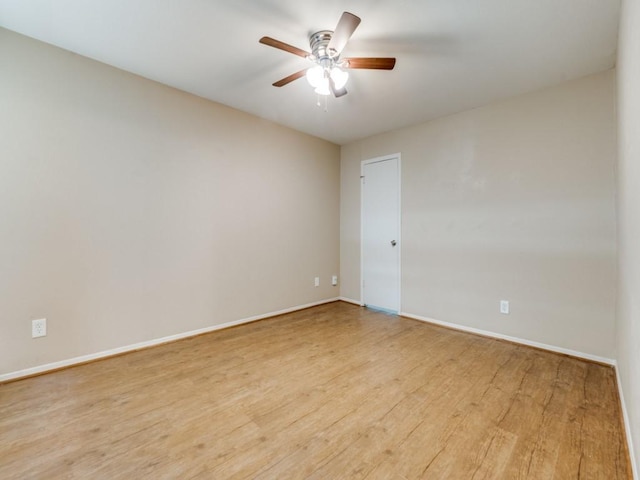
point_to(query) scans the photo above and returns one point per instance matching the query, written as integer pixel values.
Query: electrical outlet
(39, 328)
(504, 306)
(317, 281)
(334, 280)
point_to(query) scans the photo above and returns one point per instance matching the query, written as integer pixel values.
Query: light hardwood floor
(331, 392)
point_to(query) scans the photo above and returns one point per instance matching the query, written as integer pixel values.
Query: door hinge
(362, 178)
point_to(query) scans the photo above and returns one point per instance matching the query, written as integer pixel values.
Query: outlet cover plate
(504, 307)
(39, 328)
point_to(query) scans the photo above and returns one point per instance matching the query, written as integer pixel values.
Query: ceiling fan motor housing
(319, 42)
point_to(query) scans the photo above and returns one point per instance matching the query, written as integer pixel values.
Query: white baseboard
(350, 300)
(627, 425)
(28, 372)
(530, 343)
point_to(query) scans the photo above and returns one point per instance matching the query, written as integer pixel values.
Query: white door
(381, 233)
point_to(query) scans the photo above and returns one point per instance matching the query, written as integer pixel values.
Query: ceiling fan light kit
(319, 78)
(328, 75)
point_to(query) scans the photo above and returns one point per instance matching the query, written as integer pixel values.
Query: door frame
(399, 240)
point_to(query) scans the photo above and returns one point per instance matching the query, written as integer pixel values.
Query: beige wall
(514, 200)
(628, 320)
(130, 211)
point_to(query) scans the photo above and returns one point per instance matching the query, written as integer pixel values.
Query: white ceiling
(452, 55)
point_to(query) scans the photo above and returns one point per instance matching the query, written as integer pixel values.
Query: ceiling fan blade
(373, 63)
(272, 42)
(290, 78)
(336, 92)
(346, 26)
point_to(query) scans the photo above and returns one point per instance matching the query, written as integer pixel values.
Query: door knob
(393, 243)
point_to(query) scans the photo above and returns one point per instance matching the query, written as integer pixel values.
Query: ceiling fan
(328, 74)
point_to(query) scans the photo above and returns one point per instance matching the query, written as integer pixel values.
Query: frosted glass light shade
(315, 76)
(323, 87)
(339, 77)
